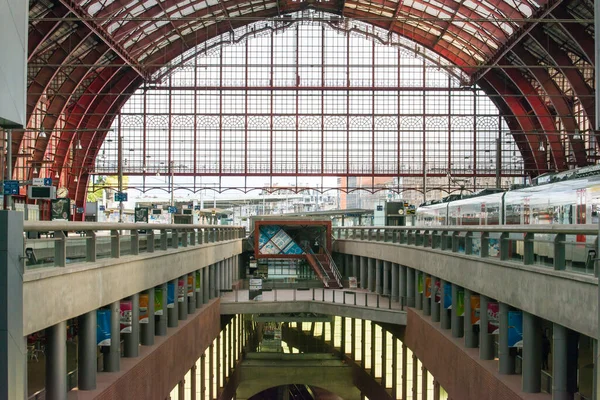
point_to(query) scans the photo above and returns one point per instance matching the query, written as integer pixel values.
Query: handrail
(325, 275)
(568, 229)
(36, 226)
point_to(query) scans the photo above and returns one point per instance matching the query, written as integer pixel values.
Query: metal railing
(310, 255)
(334, 268)
(56, 244)
(560, 247)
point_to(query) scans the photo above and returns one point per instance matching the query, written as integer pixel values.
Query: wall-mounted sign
(120, 196)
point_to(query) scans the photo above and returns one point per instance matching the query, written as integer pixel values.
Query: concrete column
(147, 330)
(532, 353)
(218, 281)
(426, 300)
(198, 292)
(191, 300)
(132, 340)
(395, 282)
(378, 278)
(161, 324)
(559, 363)
(386, 278)
(347, 265)
(418, 295)
(172, 313)
(506, 363)
(13, 352)
(457, 320)
(213, 281)
(371, 275)
(444, 313)
(112, 359)
(86, 351)
(56, 361)
(205, 284)
(486, 341)
(435, 306)
(182, 310)
(471, 339)
(407, 285)
(355, 266)
(363, 272)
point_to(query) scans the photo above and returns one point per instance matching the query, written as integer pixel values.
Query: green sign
(460, 306)
(420, 283)
(158, 301)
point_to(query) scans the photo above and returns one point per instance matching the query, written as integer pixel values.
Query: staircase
(328, 266)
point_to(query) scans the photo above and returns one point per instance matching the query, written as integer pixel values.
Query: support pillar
(407, 285)
(161, 322)
(486, 341)
(371, 275)
(418, 294)
(112, 359)
(13, 349)
(132, 339)
(471, 339)
(147, 329)
(424, 374)
(532, 353)
(348, 259)
(56, 361)
(213, 281)
(205, 285)
(198, 289)
(182, 309)
(395, 282)
(426, 300)
(404, 371)
(457, 320)
(172, 313)
(378, 277)
(506, 364)
(559, 363)
(363, 272)
(193, 382)
(444, 314)
(86, 351)
(435, 306)
(355, 266)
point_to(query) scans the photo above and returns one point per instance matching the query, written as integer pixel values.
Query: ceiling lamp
(542, 146)
(78, 147)
(576, 134)
(42, 134)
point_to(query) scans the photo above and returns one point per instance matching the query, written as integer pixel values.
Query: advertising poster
(180, 290)
(190, 285)
(438, 291)
(420, 283)
(475, 305)
(197, 281)
(292, 248)
(144, 316)
(281, 239)
(447, 295)
(352, 282)
(126, 316)
(170, 295)
(460, 303)
(158, 302)
(255, 292)
(428, 287)
(515, 329)
(141, 214)
(61, 209)
(103, 327)
(493, 322)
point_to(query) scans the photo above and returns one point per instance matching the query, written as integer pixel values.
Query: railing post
(174, 238)
(485, 245)
(60, 249)
(469, 243)
(135, 242)
(444, 240)
(559, 251)
(455, 241)
(164, 239)
(528, 249)
(90, 246)
(150, 240)
(184, 238)
(435, 240)
(115, 243)
(504, 245)
(192, 237)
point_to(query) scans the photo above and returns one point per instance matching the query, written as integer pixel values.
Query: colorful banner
(180, 290)
(158, 301)
(197, 281)
(475, 306)
(126, 316)
(170, 295)
(103, 327)
(420, 283)
(460, 303)
(493, 311)
(190, 285)
(447, 295)
(438, 291)
(428, 287)
(144, 315)
(515, 329)
(255, 292)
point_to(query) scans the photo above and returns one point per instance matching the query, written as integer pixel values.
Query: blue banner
(292, 248)
(515, 329)
(103, 327)
(170, 295)
(447, 295)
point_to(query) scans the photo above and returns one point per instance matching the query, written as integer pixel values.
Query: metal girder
(541, 112)
(516, 38)
(578, 36)
(523, 119)
(43, 29)
(99, 30)
(564, 110)
(564, 63)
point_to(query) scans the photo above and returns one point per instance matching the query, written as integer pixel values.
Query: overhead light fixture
(42, 133)
(57, 175)
(78, 147)
(36, 171)
(576, 134)
(542, 146)
(157, 173)
(75, 179)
